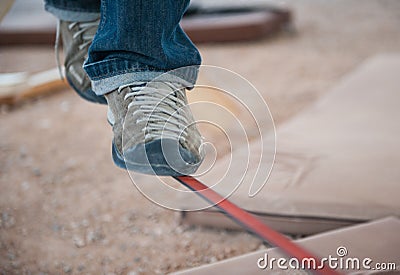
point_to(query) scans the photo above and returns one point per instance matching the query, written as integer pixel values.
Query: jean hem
(108, 75)
(72, 15)
(109, 84)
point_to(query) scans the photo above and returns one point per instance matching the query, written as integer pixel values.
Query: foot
(76, 38)
(154, 129)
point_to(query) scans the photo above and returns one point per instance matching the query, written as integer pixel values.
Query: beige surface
(59, 189)
(378, 240)
(339, 159)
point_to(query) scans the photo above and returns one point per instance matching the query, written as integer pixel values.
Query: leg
(136, 42)
(74, 10)
(139, 40)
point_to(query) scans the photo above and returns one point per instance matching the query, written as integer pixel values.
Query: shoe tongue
(90, 29)
(166, 94)
(89, 33)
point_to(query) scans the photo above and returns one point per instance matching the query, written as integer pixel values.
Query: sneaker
(76, 38)
(154, 129)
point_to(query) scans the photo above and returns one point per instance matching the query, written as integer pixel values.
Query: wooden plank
(378, 240)
(16, 87)
(337, 160)
(202, 27)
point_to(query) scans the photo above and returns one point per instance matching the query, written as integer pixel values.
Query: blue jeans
(137, 40)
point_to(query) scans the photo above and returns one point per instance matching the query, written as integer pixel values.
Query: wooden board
(377, 240)
(337, 162)
(16, 87)
(208, 25)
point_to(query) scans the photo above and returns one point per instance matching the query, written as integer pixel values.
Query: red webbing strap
(251, 223)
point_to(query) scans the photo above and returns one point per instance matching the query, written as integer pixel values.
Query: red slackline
(251, 223)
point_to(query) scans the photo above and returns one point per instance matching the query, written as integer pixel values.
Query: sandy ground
(64, 207)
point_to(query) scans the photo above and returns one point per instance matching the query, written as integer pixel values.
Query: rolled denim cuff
(114, 74)
(72, 15)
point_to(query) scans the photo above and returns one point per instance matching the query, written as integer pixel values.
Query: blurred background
(65, 208)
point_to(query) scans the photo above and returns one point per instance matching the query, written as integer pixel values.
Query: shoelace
(163, 110)
(83, 31)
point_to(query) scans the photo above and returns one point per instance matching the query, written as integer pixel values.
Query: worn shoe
(76, 38)
(154, 129)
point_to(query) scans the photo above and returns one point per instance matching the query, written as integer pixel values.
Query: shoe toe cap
(162, 157)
